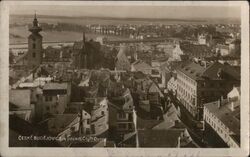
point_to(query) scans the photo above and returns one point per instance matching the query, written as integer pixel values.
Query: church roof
(140, 65)
(122, 60)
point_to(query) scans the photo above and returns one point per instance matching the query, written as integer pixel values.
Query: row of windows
(215, 118)
(186, 95)
(124, 126)
(125, 116)
(48, 98)
(217, 127)
(185, 85)
(187, 78)
(122, 115)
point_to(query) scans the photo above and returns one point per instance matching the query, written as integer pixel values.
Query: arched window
(33, 45)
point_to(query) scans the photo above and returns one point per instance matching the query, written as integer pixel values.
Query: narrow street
(196, 134)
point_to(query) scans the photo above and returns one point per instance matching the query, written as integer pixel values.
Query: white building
(172, 85)
(222, 49)
(224, 118)
(177, 52)
(202, 39)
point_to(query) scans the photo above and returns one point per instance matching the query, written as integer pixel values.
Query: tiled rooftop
(226, 115)
(55, 86)
(159, 138)
(198, 72)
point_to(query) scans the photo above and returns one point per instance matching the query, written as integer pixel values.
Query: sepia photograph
(126, 75)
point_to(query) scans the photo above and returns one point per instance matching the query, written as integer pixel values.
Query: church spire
(35, 28)
(35, 22)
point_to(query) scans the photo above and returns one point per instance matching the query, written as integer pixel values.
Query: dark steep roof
(159, 138)
(199, 72)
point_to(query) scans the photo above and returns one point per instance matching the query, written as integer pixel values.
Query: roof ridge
(209, 67)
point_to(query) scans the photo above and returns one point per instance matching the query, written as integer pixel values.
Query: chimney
(232, 106)
(105, 142)
(219, 103)
(61, 56)
(219, 73)
(179, 142)
(205, 64)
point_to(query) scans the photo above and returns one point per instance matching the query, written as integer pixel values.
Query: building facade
(56, 97)
(223, 116)
(197, 84)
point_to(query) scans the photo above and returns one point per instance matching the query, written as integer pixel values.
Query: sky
(132, 11)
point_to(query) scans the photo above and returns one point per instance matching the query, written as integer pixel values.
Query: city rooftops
(212, 71)
(20, 97)
(192, 70)
(215, 71)
(60, 122)
(192, 49)
(140, 65)
(55, 86)
(159, 138)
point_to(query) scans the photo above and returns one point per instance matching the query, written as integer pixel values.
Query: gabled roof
(154, 88)
(20, 97)
(225, 115)
(238, 88)
(143, 124)
(139, 75)
(122, 62)
(191, 69)
(55, 86)
(140, 65)
(188, 48)
(165, 67)
(21, 126)
(199, 72)
(62, 119)
(212, 71)
(159, 138)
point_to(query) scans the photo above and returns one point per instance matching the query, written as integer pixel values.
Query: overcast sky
(132, 11)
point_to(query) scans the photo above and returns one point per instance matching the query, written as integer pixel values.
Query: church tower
(35, 48)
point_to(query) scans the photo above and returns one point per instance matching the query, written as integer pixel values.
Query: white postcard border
(32, 151)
